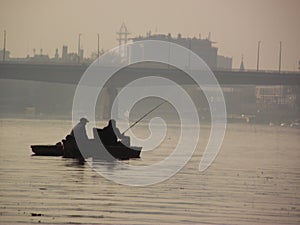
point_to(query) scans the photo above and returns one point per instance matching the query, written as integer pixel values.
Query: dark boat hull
(69, 149)
(124, 152)
(47, 150)
(121, 152)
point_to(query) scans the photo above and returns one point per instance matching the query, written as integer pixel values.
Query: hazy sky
(236, 25)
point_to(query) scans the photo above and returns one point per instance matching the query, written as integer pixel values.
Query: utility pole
(190, 48)
(258, 49)
(280, 49)
(98, 47)
(4, 45)
(79, 48)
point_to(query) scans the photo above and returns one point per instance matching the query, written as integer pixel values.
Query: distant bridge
(71, 74)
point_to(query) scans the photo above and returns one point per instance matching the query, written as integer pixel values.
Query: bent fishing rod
(144, 116)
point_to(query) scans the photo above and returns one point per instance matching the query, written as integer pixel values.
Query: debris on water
(269, 178)
(36, 214)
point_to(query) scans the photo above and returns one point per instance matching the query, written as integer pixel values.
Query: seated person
(80, 130)
(111, 134)
(77, 135)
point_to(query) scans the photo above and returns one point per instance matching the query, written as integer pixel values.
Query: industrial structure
(202, 47)
(259, 93)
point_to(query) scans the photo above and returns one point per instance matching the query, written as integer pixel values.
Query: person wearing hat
(77, 135)
(80, 130)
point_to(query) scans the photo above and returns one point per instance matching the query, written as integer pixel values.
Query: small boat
(68, 149)
(118, 151)
(47, 150)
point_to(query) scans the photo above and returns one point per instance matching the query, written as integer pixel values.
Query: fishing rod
(144, 116)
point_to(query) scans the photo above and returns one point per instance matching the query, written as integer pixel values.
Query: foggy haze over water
(253, 170)
(236, 26)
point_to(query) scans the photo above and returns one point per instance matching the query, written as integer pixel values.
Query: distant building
(81, 52)
(71, 57)
(56, 56)
(41, 58)
(224, 62)
(202, 47)
(7, 55)
(242, 67)
(64, 56)
(272, 97)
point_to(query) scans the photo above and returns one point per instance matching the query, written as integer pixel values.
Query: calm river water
(254, 180)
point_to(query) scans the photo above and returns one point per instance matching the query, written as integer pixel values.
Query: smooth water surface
(255, 179)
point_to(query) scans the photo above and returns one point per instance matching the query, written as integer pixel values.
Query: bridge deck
(60, 73)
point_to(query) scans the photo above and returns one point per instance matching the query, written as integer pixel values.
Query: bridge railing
(86, 64)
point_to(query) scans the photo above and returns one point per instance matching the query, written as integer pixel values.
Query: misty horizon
(235, 26)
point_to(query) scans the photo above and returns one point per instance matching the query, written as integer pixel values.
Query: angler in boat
(117, 144)
(114, 142)
(80, 129)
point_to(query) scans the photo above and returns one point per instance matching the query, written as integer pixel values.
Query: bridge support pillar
(109, 95)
